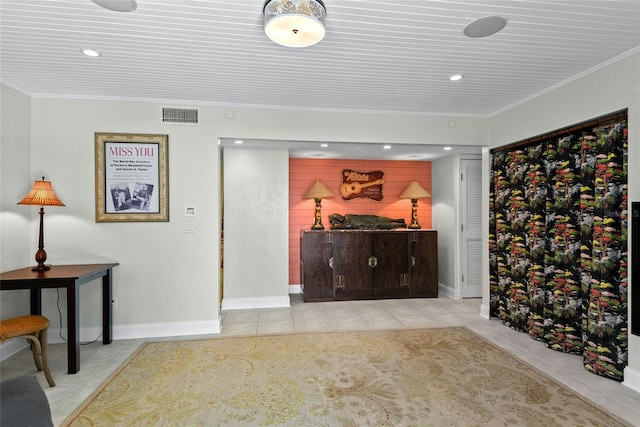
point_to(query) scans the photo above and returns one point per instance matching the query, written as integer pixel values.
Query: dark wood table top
(56, 272)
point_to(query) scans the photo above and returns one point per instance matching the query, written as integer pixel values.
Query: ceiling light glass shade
(294, 23)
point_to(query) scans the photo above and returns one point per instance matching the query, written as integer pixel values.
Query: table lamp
(414, 192)
(42, 195)
(318, 191)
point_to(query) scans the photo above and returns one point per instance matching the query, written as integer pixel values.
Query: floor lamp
(318, 191)
(414, 192)
(42, 195)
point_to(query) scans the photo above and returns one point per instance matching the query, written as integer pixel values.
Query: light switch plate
(190, 211)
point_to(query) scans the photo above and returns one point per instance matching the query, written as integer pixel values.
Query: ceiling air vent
(180, 115)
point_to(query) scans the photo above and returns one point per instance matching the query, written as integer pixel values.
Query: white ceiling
(378, 56)
(364, 151)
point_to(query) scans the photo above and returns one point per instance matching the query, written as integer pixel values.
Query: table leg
(36, 301)
(107, 308)
(73, 327)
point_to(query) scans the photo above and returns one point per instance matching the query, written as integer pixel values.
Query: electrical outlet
(114, 303)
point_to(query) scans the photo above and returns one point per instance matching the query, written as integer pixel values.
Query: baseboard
(485, 311)
(295, 289)
(450, 292)
(149, 330)
(12, 347)
(249, 303)
(631, 379)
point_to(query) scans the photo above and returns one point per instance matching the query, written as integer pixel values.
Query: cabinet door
(424, 263)
(391, 274)
(316, 274)
(352, 251)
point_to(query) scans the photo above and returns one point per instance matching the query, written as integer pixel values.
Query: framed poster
(361, 184)
(132, 177)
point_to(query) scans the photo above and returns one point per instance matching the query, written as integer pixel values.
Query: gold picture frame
(132, 177)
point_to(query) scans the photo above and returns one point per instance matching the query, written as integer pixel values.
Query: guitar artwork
(350, 188)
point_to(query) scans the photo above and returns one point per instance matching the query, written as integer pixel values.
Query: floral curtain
(558, 244)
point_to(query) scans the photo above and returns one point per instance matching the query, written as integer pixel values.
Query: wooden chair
(34, 329)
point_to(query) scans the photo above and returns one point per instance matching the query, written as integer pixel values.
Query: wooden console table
(69, 277)
(368, 264)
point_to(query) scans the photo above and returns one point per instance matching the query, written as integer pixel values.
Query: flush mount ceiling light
(484, 27)
(117, 5)
(456, 77)
(294, 23)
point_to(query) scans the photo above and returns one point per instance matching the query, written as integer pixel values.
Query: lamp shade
(318, 191)
(414, 191)
(41, 194)
(294, 23)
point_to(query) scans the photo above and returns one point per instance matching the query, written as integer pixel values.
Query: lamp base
(41, 267)
(414, 215)
(317, 224)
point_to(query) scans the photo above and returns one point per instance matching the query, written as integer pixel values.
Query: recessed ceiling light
(387, 147)
(90, 52)
(484, 27)
(324, 145)
(117, 5)
(447, 148)
(238, 142)
(456, 77)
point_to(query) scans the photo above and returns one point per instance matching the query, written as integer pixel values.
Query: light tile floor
(99, 361)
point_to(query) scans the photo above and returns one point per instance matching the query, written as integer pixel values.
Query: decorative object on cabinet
(42, 195)
(132, 177)
(364, 222)
(361, 184)
(414, 191)
(318, 191)
(294, 23)
(368, 264)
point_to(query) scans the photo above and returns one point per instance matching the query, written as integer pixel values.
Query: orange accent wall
(397, 174)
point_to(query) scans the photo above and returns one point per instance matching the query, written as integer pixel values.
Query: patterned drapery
(558, 244)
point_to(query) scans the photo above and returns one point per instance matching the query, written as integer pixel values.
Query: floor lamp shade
(42, 195)
(414, 191)
(318, 191)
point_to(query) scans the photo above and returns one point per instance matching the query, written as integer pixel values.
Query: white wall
(17, 244)
(609, 89)
(256, 227)
(444, 205)
(166, 281)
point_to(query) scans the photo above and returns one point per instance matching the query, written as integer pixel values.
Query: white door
(471, 208)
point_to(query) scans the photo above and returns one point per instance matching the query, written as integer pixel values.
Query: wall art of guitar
(349, 188)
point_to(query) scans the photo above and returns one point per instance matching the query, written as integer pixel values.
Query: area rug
(426, 377)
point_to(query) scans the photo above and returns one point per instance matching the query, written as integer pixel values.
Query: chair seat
(34, 329)
(22, 325)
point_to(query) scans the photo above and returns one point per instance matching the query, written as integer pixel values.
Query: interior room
(424, 91)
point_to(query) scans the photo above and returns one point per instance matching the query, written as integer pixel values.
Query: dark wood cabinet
(368, 264)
